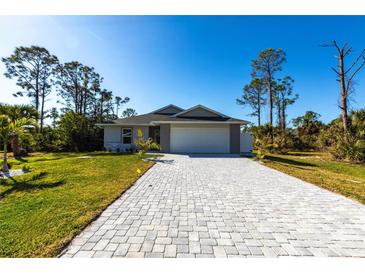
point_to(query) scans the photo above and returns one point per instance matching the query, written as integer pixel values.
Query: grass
(40, 212)
(344, 178)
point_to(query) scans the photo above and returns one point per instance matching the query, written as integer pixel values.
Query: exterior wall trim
(198, 122)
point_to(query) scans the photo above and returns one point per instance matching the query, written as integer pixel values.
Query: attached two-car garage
(199, 139)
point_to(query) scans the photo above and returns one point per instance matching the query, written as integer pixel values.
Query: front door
(155, 134)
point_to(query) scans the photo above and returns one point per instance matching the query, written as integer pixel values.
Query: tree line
(344, 137)
(79, 90)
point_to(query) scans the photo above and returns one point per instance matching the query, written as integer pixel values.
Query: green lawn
(344, 178)
(43, 210)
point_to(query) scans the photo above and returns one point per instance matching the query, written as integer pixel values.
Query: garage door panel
(200, 140)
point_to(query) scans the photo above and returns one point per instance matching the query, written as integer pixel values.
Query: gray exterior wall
(113, 137)
(234, 138)
(165, 137)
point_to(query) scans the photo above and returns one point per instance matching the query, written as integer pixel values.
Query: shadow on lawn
(287, 161)
(26, 185)
(303, 154)
(60, 156)
(26, 160)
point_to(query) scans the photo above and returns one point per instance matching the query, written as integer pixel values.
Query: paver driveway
(215, 206)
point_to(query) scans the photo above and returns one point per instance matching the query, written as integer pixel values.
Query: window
(126, 136)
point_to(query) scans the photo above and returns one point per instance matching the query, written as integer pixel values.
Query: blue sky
(189, 60)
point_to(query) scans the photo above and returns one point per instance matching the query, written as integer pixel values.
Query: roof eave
(122, 124)
(201, 122)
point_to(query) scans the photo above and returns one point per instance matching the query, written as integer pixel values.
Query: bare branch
(353, 75)
(336, 46)
(356, 60)
(347, 51)
(336, 71)
(327, 45)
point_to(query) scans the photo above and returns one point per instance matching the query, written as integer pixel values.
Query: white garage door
(199, 140)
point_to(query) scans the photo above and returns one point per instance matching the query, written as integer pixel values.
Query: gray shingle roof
(147, 119)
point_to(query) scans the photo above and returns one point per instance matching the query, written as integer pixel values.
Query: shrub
(346, 146)
(281, 142)
(144, 145)
(307, 130)
(79, 133)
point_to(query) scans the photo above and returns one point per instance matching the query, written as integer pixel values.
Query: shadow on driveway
(218, 155)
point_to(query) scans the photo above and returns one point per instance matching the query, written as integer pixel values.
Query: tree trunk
(36, 99)
(279, 113)
(15, 145)
(259, 109)
(86, 94)
(5, 157)
(42, 111)
(84, 107)
(271, 102)
(76, 97)
(82, 100)
(343, 92)
(101, 110)
(344, 112)
(271, 95)
(283, 119)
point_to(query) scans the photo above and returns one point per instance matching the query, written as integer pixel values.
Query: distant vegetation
(344, 137)
(85, 101)
(81, 96)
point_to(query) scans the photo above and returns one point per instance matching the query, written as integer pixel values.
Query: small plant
(145, 145)
(260, 155)
(26, 168)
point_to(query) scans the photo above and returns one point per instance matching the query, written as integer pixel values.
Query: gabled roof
(170, 106)
(156, 118)
(202, 107)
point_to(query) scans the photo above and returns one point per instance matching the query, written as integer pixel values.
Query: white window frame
(123, 135)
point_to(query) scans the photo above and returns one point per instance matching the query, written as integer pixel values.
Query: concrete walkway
(216, 206)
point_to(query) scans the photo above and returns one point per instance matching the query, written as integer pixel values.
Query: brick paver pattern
(215, 206)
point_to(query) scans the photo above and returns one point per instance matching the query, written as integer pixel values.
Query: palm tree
(8, 129)
(15, 112)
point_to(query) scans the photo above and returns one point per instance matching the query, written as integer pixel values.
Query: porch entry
(154, 133)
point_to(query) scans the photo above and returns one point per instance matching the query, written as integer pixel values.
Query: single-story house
(195, 130)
